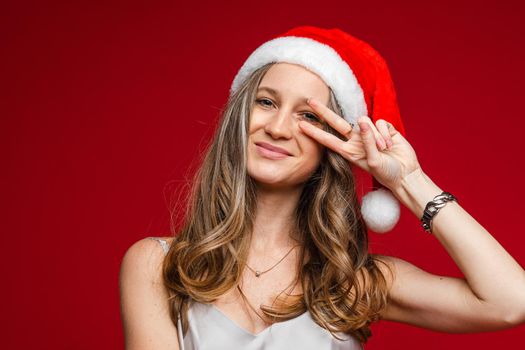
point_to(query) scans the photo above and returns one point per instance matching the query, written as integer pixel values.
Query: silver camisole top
(210, 328)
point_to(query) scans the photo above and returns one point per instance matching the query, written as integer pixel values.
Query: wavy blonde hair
(343, 287)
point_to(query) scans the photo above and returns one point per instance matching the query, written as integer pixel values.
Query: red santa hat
(362, 85)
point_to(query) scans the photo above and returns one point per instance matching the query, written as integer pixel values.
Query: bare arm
(490, 297)
(143, 299)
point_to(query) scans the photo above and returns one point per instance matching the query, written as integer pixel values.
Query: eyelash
(312, 118)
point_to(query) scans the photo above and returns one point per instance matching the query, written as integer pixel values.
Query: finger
(391, 129)
(333, 119)
(382, 127)
(370, 145)
(381, 144)
(321, 136)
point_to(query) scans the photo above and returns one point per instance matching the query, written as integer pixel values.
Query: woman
(275, 243)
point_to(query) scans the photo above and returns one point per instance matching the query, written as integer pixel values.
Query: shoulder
(145, 253)
(144, 298)
(144, 258)
(392, 268)
(391, 264)
(398, 268)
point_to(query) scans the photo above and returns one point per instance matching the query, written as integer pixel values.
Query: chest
(242, 305)
(209, 328)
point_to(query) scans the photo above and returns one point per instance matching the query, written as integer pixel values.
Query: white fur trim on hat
(380, 210)
(317, 57)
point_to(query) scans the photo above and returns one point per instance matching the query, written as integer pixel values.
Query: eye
(311, 117)
(264, 102)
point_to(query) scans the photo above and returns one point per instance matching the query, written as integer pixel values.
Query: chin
(276, 180)
(278, 174)
(270, 179)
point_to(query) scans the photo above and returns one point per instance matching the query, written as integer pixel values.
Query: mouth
(269, 151)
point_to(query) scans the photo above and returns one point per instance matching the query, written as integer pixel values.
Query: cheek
(312, 155)
(256, 121)
(314, 151)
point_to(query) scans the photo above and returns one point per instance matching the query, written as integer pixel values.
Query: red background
(105, 104)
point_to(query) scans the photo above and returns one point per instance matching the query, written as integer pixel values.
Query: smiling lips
(269, 151)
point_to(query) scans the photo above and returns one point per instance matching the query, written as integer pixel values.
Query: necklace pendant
(257, 273)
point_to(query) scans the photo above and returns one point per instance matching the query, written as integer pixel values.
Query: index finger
(323, 137)
(335, 121)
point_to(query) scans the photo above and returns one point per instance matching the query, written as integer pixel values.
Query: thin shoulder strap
(163, 243)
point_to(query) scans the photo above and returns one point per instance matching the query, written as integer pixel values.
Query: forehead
(295, 81)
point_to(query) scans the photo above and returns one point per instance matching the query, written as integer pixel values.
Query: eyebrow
(269, 89)
(275, 92)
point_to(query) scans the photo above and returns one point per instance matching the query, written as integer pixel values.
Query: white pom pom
(380, 210)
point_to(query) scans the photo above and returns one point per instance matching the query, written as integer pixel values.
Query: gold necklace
(259, 273)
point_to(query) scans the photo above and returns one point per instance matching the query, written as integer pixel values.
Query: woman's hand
(378, 149)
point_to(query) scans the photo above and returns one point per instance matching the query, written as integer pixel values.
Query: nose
(280, 124)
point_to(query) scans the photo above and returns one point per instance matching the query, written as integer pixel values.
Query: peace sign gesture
(378, 149)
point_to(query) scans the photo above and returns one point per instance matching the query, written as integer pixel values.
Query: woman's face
(279, 106)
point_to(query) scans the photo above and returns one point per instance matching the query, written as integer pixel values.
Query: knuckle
(340, 121)
(363, 119)
(369, 136)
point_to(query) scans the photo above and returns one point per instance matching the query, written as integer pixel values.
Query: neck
(274, 220)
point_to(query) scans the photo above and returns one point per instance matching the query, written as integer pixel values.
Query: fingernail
(311, 101)
(364, 127)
